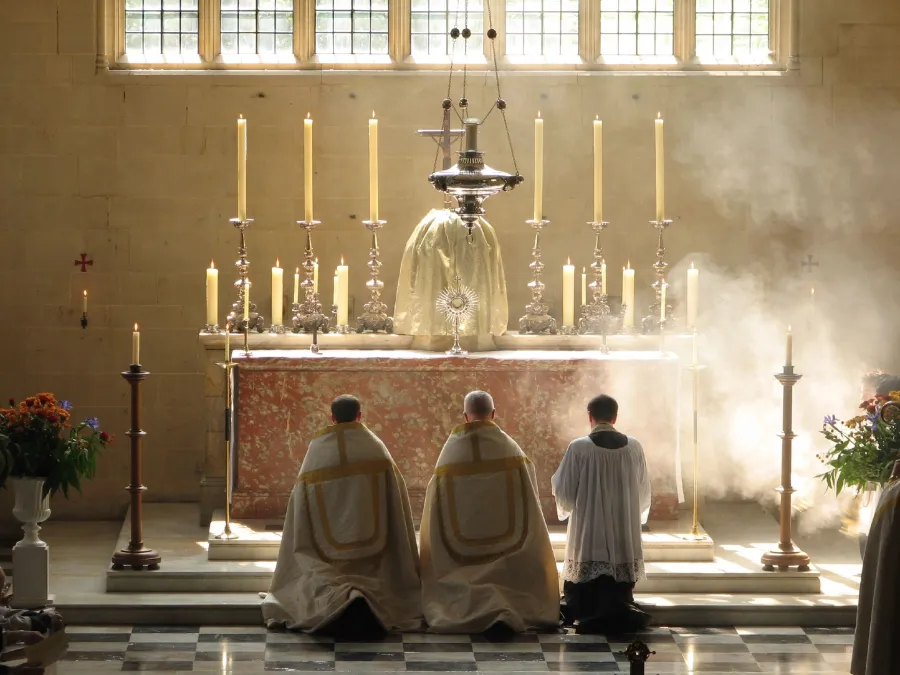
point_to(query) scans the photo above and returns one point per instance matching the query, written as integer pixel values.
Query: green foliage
(864, 449)
(40, 442)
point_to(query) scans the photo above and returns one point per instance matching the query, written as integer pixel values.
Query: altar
(412, 399)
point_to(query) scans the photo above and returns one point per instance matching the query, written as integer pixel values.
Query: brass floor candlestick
(256, 321)
(787, 555)
(136, 556)
(595, 315)
(695, 369)
(374, 317)
(651, 322)
(308, 315)
(228, 365)
(537, 319)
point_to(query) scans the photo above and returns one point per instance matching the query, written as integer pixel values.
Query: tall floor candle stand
(228, 366)
(637, 654)
(787, 555)
(136, 556)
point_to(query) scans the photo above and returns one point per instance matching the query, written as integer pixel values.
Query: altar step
(666, 542)
(189, 568)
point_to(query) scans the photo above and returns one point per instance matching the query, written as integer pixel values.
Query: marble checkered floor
(250, 650)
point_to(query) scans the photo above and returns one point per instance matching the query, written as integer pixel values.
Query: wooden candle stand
(136, 556)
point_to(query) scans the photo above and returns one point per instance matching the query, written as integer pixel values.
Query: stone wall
(138, 171)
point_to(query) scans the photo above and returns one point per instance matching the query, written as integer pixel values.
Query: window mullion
(686, 30)
(589, 30)
(209, 30)
(399, 47)
(304, 29)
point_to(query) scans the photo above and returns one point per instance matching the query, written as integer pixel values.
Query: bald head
(478, 406)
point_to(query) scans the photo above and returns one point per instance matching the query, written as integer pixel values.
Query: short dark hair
(603, 408)
(345, 408)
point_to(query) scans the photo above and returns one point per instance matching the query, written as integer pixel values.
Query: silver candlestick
(595, 315)
(254, 321)
(308, 317)
(651, 322)
(537, 319)
(374, 316)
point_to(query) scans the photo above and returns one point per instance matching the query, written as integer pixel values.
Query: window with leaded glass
(432, 20)
(263, 27)
(351, 26)
(162, 27)
(637, 27)
(733, 28)
(542, 27)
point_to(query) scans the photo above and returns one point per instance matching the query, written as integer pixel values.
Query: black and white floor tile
(238, 650)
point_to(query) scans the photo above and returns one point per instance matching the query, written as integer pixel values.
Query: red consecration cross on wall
(84, 262)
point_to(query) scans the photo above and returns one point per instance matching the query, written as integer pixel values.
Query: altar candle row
(598, 168)
(340, 298)
(568, 299)
(308, 172)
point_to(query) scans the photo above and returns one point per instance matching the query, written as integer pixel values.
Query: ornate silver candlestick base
(595, 315)
(278, 329)
(213, 329)
(308, 317)
(651, 322)
(537, 319)
(255, 321)
(374, 317)
(458, 303)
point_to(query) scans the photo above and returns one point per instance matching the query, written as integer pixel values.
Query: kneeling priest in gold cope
(487, 561)
(348, 560)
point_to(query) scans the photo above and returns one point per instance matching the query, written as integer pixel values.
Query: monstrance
(458, 303)
(471, 181)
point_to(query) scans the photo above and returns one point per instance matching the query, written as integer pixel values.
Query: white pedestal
(31, 575)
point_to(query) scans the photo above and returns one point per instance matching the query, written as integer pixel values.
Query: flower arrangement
(865, 447)
(38, 440)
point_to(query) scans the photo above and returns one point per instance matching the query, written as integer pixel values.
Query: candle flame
(277, 262)
(597, 118)
(342, 260)
(692, 264)
(316, 261)
(629, 264)
(789, 328)
(568, 261)
(212, 264)
(297, 271)
(373, 114)
(309, 116)
(583, 269)
(85, 294)
(812, 291)
(659, 115)
(135, 328)
(539, 114)
(240, 117)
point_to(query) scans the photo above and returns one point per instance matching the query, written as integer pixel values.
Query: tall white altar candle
(247, 299)
(212, 295)
(789, 348)
(660, 171)
(662, 302)
(583, 286)
(598, 171)
(241, 169)
(603, 279)
(343, 278)
(373, 168)
(316, 275)
(84, 303)
(334, 292)
(538, 168)
(693, 295)
(136, 345)
(277, 294)
(695, 360)
(307, 169)
(628, 296)
(296, 285)
(569, 294)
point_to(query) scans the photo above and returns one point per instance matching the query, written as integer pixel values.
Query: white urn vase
(31, 556)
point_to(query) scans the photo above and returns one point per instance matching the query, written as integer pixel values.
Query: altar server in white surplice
(603, 488)
(487, 562)
(348, 562)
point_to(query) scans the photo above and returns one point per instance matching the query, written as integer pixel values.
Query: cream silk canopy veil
(435, 253)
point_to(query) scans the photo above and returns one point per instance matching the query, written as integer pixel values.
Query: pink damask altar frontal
(413, 399)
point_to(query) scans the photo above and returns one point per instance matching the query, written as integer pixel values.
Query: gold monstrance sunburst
(458, 304)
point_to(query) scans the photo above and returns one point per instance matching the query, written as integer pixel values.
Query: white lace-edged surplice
(605, 494)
